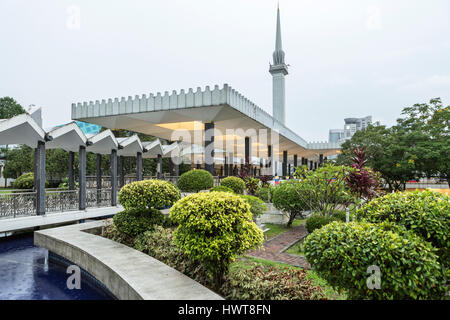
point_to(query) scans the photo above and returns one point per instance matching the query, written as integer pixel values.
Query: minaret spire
(278, 70)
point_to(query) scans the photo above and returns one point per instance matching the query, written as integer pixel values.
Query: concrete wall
(127, 273)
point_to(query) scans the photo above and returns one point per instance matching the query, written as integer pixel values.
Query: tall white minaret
(278, 70)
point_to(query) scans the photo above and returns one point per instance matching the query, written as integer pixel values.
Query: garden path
(274, 248)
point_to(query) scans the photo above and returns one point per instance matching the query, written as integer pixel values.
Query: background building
(350, 127)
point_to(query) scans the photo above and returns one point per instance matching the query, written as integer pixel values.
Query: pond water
(27, 274)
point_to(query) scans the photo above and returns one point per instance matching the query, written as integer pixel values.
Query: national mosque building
(216, 128)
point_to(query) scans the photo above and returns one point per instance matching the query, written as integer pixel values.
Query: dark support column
(303, 161)
(221, 171)
(159, 167)
(198, 166)
(121, 172)
(284, 167)
(295, 161)
(71, 171)
(139, 166)
(113, 177)
(40, 178)
(99, 177)
(82, 178)
(310, 165)
(289, 170)
(269, 163)
(177, 167)
(35, 167)
(209, 147)
(231, 161)
(170, 167)
(320, 159)
(226, 165)
(247, 151)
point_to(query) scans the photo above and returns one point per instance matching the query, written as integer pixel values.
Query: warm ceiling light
(187, 125)
(228, 137)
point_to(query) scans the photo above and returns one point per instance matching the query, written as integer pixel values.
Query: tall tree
(8, 109)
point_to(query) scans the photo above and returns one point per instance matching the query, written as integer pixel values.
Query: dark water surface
(27, 274)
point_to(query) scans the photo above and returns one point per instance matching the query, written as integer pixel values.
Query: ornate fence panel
(17, 204)
(61, 200)
(98, 198)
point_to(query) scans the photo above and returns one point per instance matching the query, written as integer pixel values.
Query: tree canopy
(417, 146)
(9, 108)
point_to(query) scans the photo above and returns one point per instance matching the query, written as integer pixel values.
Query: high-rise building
(350, 127)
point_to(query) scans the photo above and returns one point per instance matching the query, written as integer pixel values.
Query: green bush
(272, 283)
(285, 198)
(257, 206)
(134, 221)
(264, 193)
(341, 253)
(316, 221)
(234, 183)
(426, 213)
(25, 181)
(195, 180)
(221, 189)
(213, 228)
(159, 244)
(147, 194)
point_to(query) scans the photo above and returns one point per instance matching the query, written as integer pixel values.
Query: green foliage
(160, 245)
(19, 161)
(324, 189)
(25, 181)
(147, 194)
(317, 221)
(417, 145)
(234, 183)
(9, 108)
(195, 180)
(134, 221)
(285, 198)
(251, 185)
(221, 189)
(213, 228)
(425, 213)
(65, 184)
(341, 253)
(264, 193)
(257, 206)
(270, 283)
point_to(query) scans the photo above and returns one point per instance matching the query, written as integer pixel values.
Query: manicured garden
(361, 243)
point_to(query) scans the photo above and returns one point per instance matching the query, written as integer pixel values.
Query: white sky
(348, 58)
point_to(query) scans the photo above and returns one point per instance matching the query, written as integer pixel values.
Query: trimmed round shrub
(221, 189)
(257, 206)
(134, 222)
(285, 198)
(195, 180)
(317, 221)
(25, 181)
(147, 194)
(213, 228)
(425, 213)
(344, 253)
(234, 183)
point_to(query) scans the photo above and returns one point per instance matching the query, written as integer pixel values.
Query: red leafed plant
(363, 181)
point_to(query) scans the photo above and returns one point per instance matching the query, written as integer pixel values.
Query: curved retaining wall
(127, 273)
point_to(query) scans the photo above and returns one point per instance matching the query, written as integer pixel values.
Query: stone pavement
(274, 248)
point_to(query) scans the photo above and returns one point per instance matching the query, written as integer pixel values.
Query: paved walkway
(274, 248)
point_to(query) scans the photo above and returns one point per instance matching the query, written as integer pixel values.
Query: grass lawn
(5, 190)
(245, 262)
(276, 229)
(297, 248)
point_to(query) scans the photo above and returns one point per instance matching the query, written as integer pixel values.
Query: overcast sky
(347, 58)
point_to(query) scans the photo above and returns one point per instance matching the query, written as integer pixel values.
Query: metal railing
(17, 204)
(98, 198)
(61, 200)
